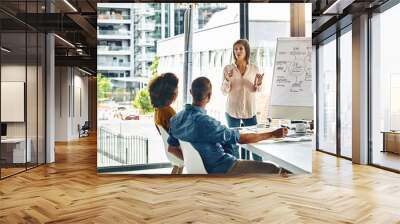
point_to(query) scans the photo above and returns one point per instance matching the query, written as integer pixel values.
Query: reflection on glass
(219, 22)
(32, 101)
(15, 151)
(308, 17)
(327, 97)
(385, 86)
(23, 81)
(158, 46)
(126, 131)
(346, 94)
(267, 22)
(41, 99)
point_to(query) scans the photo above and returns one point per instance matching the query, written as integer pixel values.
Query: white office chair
(192, 159)
(175, 161)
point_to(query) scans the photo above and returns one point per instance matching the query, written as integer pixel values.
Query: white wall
(71, 102)
(12, 73)
(33, 126)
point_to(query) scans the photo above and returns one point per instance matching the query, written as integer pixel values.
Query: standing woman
(241, 81)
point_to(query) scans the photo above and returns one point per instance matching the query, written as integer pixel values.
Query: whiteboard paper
(12, 101)
(291, 90)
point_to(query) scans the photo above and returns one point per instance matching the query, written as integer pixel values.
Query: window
(385, 86)
(218, 22)
(22, 75)
(327, 96)
(267, 22)
(346, 93)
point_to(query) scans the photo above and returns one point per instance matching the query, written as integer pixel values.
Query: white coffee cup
(300, 128)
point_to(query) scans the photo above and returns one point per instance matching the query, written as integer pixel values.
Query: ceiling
(77, 22)
(332, 15)
(77, 27)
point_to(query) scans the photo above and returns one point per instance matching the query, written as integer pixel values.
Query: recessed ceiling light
(70, 5)
(64, 40)
(5, 50)
(84, 71)
(337, 7)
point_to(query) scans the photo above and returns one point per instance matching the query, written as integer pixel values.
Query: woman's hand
(258, 79)
(228, 75)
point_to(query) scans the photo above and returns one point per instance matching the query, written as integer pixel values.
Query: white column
(50, 100)
(360, 90)
(297, 20)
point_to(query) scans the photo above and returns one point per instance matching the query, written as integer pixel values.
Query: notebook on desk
(297, 139)
(296, 135)
(305, 138)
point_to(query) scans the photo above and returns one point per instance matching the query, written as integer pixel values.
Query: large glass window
(219, 22)
(327, 96)
(385, 84)
(32, 96)
(346, 93)
(22, 91)
(267, 22)
(123, 119)
(15, 154)
(128, 122)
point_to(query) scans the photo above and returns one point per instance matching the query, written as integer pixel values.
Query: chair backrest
(192, 159)
(172, 158)
(84, 127)
(164, 135)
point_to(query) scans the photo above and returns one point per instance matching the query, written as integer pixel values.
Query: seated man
(213, 140)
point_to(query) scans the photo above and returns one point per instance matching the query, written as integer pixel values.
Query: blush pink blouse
(240, 91)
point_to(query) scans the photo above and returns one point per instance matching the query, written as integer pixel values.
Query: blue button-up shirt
(208, 136)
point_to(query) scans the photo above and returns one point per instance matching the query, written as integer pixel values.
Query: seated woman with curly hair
(163, 91)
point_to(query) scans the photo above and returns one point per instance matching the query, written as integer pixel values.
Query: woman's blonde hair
(246, 46)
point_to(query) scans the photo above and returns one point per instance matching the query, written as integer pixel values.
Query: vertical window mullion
(26, 86)
(338, 74)
(316, 124)
(244, 21)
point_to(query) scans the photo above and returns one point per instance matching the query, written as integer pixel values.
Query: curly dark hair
(162, 89)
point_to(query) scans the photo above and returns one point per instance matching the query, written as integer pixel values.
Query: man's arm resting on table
(246, 138)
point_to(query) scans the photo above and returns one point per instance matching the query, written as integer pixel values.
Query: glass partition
(267, 22)
(346, 93)
(22, 90)
(327, 96)
(14, 153)
(385, 89)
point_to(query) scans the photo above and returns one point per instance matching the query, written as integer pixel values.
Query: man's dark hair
(162, 89)
(201, 87)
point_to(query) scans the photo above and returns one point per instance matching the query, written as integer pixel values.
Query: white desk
(293, 156)
(18, 150)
